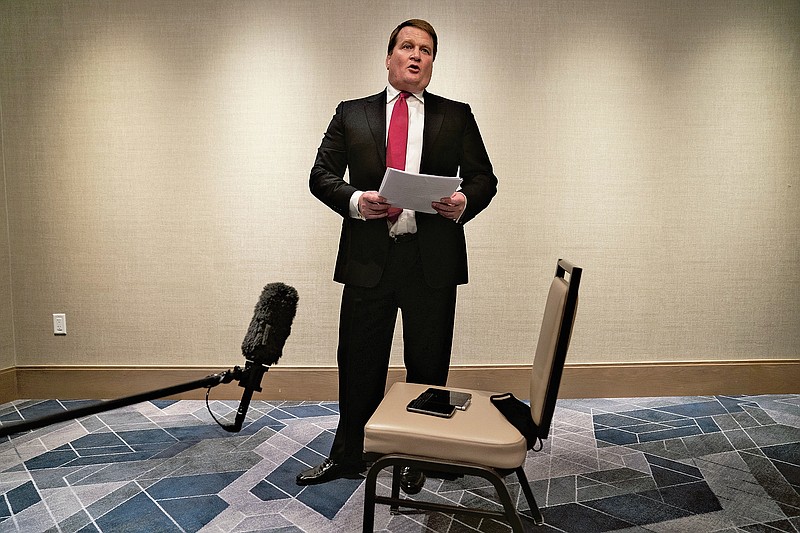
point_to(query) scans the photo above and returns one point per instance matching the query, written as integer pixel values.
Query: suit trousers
(366, 329)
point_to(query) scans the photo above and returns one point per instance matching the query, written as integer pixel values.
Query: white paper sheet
(416, 191)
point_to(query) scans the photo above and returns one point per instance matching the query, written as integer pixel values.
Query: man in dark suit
(388, 259)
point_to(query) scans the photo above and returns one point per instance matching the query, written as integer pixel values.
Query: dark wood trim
(8, 385)
(320, 383)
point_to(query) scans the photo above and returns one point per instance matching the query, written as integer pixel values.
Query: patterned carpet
(697, 464)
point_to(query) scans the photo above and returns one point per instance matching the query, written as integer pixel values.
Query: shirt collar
(391, 94)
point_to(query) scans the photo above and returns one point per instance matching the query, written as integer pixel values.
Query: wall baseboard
(320, 383)
(8, 385)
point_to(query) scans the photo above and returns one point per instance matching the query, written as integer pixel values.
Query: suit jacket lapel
(434, 116)
(375, 109)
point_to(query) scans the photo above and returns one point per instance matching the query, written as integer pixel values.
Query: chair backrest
(551, 349)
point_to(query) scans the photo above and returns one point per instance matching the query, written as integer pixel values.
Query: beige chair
(478, 441)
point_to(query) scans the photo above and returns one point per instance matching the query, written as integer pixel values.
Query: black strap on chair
(518, 413)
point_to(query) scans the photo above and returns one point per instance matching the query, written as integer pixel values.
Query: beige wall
(156, 157)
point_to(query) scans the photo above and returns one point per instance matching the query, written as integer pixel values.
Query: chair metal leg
(526, 489)
(510, 510)
(396, 474)
(370, 488)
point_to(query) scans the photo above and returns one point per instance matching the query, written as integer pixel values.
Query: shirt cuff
(354, 212)
(463, 210)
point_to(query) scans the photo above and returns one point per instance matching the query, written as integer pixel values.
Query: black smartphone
(426, 404)
(459, 400)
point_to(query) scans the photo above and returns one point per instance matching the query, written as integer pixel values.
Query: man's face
(410, 64)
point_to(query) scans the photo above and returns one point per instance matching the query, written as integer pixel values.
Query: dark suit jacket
(356, 139)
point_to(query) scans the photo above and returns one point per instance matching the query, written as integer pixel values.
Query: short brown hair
(414, 23)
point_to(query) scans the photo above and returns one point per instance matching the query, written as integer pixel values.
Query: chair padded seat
(480, 434)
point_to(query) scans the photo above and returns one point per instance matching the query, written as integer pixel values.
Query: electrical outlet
(59, 324)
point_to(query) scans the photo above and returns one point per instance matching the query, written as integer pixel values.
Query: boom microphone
(271, 324)
(262, 347)
(263, 343)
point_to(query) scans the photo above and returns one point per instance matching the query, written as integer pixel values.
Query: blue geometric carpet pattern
(720, 464)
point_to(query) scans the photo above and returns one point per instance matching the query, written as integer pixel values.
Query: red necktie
(396, 142)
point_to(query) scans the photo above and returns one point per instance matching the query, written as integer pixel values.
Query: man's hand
(451, 207)
(373, 205)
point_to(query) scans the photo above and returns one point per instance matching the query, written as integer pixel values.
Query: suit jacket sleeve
(479, 183)
(327, 175)
(453, 145)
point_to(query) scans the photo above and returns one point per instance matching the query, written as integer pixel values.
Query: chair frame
(510, 513)
(494, 476)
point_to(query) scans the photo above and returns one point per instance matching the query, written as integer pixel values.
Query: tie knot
(404, 94)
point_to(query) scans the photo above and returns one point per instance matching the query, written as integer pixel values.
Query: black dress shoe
(411, 480)
(328, 470)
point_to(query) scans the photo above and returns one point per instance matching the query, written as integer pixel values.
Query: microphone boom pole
(107, 405)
